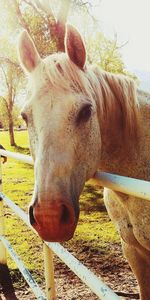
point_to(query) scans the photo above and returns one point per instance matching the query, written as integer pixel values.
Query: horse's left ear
(27, 52)
(75, 47)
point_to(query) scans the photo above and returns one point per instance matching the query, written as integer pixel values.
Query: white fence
(126, 185)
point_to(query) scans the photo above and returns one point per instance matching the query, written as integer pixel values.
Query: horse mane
(114, 95)
(119, 98)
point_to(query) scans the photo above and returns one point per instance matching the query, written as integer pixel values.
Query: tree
(10, 71)
(4, 120)
(38, 19)
(10, 74)
(105, 53)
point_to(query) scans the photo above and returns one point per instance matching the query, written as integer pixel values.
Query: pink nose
(54, 221)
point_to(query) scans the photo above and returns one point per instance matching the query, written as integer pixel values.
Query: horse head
(64, 133)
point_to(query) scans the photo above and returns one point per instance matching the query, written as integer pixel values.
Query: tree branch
(45, 6)
(9, 61)
(44, 10)
(13, 95)
(64, 11)
(20, 17)
(34, 7)
(6, 79)
(61, 23)
(5, 100)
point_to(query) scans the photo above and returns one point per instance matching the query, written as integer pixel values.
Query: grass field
(94, 228)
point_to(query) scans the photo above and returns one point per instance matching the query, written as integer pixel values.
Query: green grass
(94, 229)
(21, 138)
(18, 182)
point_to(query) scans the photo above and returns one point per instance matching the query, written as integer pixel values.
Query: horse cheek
(33, 141)
(94, 150)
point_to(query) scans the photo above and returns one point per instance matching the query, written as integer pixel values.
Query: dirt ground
(110, 265)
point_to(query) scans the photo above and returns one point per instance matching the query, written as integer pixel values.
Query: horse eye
(84, 114)
(24, 117)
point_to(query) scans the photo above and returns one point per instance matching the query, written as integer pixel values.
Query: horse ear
(75, 47)
(28, 54)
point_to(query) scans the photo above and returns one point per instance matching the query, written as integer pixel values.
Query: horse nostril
(31, 215)
(65, 216)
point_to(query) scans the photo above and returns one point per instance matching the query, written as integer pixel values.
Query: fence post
(49, 272)
(3, 257)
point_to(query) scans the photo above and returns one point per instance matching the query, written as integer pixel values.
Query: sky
(130, 19)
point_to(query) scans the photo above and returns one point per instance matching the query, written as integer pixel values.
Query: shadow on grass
(6, 283)
(12, 280)
(20, 283)
(23, 150)
(92, 199)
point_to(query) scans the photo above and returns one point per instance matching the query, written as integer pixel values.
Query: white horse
(81, 119)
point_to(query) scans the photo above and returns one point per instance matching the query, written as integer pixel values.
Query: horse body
(79, 120)
(130, 214)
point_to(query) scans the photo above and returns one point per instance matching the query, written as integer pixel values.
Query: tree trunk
(10, 107)
(11, 129)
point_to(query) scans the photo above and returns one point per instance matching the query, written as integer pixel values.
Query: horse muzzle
(55, 221)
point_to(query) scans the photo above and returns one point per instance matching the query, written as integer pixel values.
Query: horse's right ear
(28, 54)
(75, 47)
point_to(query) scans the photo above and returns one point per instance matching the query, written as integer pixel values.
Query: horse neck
(116, 151)
(116, 157)
(119, 124)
